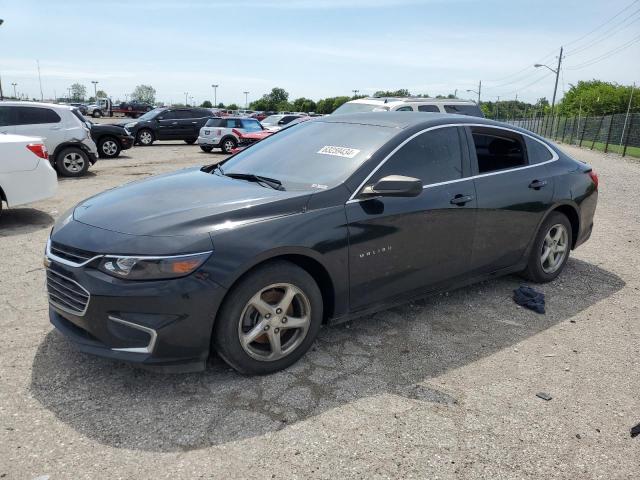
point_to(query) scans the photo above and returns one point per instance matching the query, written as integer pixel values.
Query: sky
(315, 48)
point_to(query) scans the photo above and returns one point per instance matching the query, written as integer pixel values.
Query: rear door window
(498, 149)
(433, 157)
(168, 115)
(428, 108)
(5, 116)
(35, 115)
(537, 152)
(215, 122)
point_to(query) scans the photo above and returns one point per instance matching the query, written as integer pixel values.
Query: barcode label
(345, 152)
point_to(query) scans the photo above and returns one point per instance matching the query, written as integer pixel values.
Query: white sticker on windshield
(345, 152)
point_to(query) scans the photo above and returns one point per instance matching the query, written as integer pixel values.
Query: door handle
(194, 122)
(538, 184)
(461, 199)
(174, 123)
(55, 128)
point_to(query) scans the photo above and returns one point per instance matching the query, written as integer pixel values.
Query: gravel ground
(440, 388)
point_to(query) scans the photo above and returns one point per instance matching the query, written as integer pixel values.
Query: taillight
(594, 178)
(39, 149)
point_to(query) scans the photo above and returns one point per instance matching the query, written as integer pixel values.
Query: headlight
(152, 268)
(127, 132)
(130, 125)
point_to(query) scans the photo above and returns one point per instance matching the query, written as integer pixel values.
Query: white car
(64, 130)
(25, 172)
(221, 132)
(410, 104)
(274, 123)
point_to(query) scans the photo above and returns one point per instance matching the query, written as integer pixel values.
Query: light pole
(215, 94)
(246, 99)
(477, 92)
(186, 100)
(555, 88)
(15, 95)
(355, 93)
(1, 96)
(95, 89)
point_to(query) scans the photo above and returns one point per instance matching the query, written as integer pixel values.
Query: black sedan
(111, 139)
(322, 222)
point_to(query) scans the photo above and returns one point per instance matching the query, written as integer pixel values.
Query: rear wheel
(550, 250)
(72, 162)
(205, 148)
(145, 137)
(228, 144)
(96, 114)
(269, 320)
(108, 147)
(190, 141)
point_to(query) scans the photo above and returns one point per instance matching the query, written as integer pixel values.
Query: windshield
(272, 119)
(312, 155)
(150, 114)
(359, 108)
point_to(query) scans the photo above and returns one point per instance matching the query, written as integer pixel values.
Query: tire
(228, 144)
(205, 148)
(72, 162)
(109, 147)
(551, 249)
(190, 141)
(239, 319)
(96, 114)
(145, 137)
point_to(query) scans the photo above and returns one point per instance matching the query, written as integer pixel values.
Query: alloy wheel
(73, 162)
(228, 146)
(274, 322)
(554, 248)
(109, 148)
(146, 138)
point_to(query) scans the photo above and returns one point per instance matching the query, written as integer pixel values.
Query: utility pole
(246, 97)
(215, 95)
(95, 90)
(1, 96)
(479, 91)
(355, 93)
(624, 127)
(555, 88)
(15, 95)
(497, 102)
(40, 81)
(186, 99)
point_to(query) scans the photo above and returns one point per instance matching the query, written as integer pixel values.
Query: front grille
(73, 255)
(67, 294)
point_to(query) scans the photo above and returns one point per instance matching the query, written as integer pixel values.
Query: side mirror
(394, 186)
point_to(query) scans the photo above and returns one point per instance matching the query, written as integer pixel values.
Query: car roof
(404, 120)
(15, 103)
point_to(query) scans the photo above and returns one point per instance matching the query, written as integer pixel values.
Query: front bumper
(163, 324)
(126, 141)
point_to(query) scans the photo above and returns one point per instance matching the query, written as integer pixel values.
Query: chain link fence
(619, 133)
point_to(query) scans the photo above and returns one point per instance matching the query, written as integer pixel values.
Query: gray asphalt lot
(440, 388)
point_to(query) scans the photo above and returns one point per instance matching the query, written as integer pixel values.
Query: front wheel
(96, 114)
(551, 249)
(145, 137)
(206, 148)
(228, 144)
(72, 162)
(269, 320)
(108, 147)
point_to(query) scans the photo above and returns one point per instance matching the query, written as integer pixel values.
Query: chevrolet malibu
(328, 220)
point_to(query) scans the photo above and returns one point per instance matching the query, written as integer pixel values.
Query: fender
(562, 203)
(82, 146)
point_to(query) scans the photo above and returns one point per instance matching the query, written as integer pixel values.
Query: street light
(477, 92)
(355, 92)
(95, 89)
(186, 101)
(215, 94)
(555, 88)
(246, 101)
(15, 95)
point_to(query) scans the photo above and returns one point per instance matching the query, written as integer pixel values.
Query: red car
(248, 138)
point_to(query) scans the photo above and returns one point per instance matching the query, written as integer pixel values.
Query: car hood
(188, 202)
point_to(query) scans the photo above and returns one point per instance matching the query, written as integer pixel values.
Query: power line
(605, 34)
(524, 69)
(524, 87)
(602, 24)
(605, 55)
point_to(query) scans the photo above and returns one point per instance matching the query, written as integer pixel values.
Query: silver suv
(410, 104)
(222, 132)
(63, 129)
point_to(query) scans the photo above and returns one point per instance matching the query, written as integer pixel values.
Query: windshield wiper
(271, 182)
